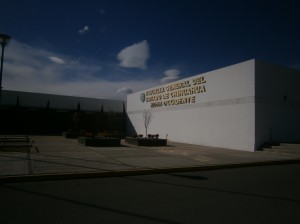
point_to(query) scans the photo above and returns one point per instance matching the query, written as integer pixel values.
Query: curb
(122, 173)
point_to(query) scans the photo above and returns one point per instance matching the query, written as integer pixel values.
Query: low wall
(99, 142)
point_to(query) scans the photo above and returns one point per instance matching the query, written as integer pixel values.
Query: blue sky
(106, 49)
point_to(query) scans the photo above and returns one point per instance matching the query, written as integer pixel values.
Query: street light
(4, 39)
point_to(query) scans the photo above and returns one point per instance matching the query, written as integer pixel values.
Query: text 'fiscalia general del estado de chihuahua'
(183, 92)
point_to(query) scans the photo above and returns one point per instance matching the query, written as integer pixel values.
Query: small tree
(147, 116)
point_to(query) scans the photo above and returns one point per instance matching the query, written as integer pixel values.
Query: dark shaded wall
(18, 120)
(37, 113)
(277, 104)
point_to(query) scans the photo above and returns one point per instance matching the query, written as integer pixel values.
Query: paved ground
(54, 157)
(260, 195)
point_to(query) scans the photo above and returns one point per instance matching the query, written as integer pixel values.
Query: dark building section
(35, 113)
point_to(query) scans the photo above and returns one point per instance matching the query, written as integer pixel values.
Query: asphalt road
(266, 194)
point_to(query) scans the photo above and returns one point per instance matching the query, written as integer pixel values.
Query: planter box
(146, 141)
(70, 134)
(100, 142)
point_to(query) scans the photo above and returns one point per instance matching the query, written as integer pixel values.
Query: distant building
(37, 113)
(239, 107)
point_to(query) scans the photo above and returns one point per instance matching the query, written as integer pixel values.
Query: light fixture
(4, 39)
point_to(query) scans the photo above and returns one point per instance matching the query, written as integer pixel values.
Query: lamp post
(4, 39)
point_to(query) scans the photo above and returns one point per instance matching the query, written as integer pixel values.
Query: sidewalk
(55, 157)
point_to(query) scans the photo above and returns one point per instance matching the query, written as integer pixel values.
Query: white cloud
(125, 90)
(29, 69)
(135, 56)
(84, 30)
(170, 75)
(295, 65)
(57, 60)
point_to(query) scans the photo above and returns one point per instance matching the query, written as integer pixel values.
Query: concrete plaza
(56, 157)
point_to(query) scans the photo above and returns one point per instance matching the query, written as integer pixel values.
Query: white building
(239, 107)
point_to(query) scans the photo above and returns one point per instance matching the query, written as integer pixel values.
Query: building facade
(239, 107)
(37, 113)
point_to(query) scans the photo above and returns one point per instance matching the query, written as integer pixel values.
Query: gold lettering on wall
(178, 93)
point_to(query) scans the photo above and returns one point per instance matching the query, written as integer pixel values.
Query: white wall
(277, 117)
(222, 116)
